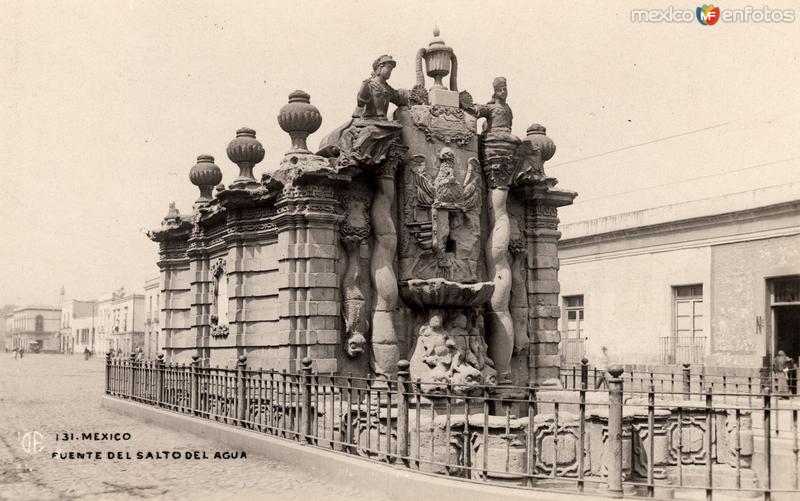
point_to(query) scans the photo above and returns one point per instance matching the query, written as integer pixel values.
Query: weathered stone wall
(179, 337)
(739, 300)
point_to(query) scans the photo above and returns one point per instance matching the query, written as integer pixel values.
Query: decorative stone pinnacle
(205, 174)
(616, 370)
(245, 151)
(537, 137)
(299, 118)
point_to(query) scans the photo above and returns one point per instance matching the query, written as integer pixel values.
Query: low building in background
(8, 329)
(714, 282)
(153, 341)
(78, 326)
(103, 339)
(36, 329)
(127, 322)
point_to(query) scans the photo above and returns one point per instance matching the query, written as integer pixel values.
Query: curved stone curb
(383, 480)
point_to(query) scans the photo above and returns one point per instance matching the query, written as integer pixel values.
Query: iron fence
(682, 349)
(676, 443)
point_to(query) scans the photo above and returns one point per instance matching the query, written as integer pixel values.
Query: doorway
(784, 302)
(787, 330)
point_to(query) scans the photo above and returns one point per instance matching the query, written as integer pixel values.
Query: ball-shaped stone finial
(245, 151)
(403, 365)
(584, 361)
(205, 174)
(299, 118)
(537, 137)
(436, 31)
(616, 370)
(306, 362)
(242, 359)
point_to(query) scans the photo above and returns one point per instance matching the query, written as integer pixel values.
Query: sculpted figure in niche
(443, 356)
(366, 139)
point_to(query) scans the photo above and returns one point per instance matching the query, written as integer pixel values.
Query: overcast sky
(107, 104)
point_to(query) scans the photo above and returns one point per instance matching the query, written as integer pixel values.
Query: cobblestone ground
(56, 394)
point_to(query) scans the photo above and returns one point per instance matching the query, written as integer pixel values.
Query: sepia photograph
(378, 250)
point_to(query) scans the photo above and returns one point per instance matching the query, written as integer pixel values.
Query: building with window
(8, 324)
(126, 315)
(153, 341)
(36, 329)
(78, 326)
(713, 282)
(103, 324)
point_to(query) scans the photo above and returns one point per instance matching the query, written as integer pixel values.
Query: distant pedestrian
(779, 372)
(21, 352)
(601, 368)
(86, 353)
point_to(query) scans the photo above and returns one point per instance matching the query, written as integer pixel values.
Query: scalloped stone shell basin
(444, 293)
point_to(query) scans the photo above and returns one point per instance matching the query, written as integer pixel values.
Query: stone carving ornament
(455, 355)
(354, 229)
(219, 307)
(446, 198)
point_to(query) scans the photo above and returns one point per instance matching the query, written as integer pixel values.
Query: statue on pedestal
(366, 139)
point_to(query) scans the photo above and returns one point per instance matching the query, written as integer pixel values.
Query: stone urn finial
(245, 151)
(440, 60)
(299, 118)
(205, 175)
(537, 137)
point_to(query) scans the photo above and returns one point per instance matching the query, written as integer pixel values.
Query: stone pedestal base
(443, 97)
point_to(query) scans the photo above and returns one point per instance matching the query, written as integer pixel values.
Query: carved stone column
(180, 340)
(385, 350)
(519, 294)
(541, 228)
(307, 221)
(498, 171)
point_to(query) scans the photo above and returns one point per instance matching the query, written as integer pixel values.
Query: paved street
(57, 394)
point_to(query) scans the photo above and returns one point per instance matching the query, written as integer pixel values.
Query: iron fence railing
(686, 379)
(682, 349)
(678, 442)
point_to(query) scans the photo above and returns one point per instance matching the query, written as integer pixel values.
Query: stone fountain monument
(406, 237)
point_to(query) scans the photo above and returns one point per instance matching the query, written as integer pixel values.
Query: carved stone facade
(409, 236)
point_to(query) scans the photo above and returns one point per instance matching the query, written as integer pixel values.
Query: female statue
(365, 140)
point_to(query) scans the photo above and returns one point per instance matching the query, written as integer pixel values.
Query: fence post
(305, 415)
(132, 387)
(194, 384)
(160, 380)
(108, 372)
(241, 390)
(402, 412)
(615, 431)
(687, 381)
(584, 373)
(767, 441)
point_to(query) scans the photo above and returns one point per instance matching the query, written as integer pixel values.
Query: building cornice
(726, 218)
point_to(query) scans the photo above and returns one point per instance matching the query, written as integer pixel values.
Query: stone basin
(438, 292)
